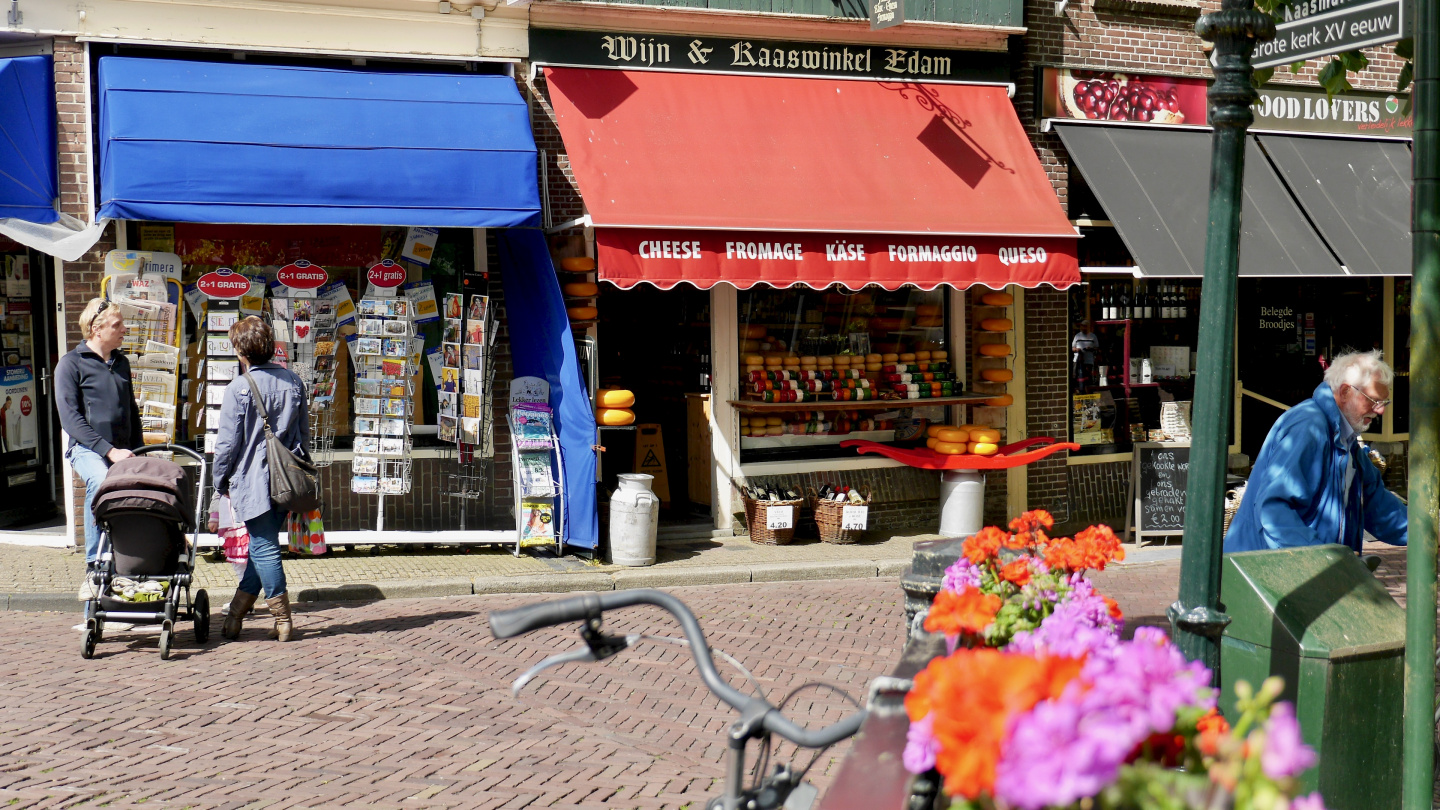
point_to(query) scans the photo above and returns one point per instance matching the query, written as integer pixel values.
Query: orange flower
(1114, 606)
(1027, 540)
(1091, 548)
(969, 611)
(984, 544)
(1212, 727)
(1017, 572)
(1032, 521)
(972, 695)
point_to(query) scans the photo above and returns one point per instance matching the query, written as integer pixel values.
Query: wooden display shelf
(753, 406)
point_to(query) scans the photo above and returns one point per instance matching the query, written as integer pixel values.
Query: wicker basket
(829, 518)
(757, 519)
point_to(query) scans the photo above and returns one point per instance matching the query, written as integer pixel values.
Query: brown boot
(280, 608)
(239, 606)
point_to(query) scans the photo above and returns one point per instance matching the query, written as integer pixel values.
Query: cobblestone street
(405, 703)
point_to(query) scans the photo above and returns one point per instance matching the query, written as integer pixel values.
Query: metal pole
(1195, 616)
(1424, 417)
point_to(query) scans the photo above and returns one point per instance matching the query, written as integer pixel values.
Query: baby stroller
(143, 510)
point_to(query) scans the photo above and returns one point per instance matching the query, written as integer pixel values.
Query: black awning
(1356, 192)
(1155, 184)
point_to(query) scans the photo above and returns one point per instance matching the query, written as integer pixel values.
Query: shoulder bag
(294, 481)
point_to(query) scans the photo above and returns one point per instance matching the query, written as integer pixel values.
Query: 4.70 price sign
(1311, 28)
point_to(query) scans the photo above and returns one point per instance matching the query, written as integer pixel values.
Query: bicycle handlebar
(516, 621)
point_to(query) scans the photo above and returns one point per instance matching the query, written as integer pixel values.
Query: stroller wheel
(202, 616)
(88, 641)
(167, 634)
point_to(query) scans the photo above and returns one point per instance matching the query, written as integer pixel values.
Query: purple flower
(921, 747)
(1081, 624)
(1064, 759)
(1285, 753)
(960, 575)
(1310, 802)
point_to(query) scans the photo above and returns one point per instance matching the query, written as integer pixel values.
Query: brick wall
(1047, 401)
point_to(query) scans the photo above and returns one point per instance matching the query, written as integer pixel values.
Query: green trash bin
(1319, 619)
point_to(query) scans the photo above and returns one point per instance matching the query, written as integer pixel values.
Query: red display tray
(1011, 455)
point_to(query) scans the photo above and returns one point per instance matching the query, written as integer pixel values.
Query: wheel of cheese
(1002, 401)
(922, 356)
(753, 331)
(997, 324)
(775, 430)
(953, 435)
(934, 430)
(931, 442)
(774, 356)
(751, 346)
(874, 366)
(985, 436)
(809, 359)
(772, 421)
(874, 358)
(983, 448)
(995, 349)
(825, 362)
(615, 417)
(890, 357)
(997, 375)
(790, 362)
(907, 357)
(754, 359)
(614, 398)
(583, 313)
(939, 355)
(577, 264)
(997, 299)
(925, 310)
(950, 448)
(580, 289)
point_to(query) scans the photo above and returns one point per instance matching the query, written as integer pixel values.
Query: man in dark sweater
(96, 401)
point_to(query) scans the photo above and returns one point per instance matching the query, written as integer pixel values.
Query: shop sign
(885, 13)
(386, 274)
(223, 283)
(712, 54)
(18, 426)
(818, 260)
(302, 275)
(264, 245)
(1097, 95)
(1314, 28)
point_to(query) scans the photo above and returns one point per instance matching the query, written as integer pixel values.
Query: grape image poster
(1099, 95)
(18, 428)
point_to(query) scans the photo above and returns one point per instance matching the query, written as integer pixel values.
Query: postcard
(221, 370)
(475, 333)
(478, 305)
(393, 368)
(367, 444)
(364, 484)
(367, 345)
(446, 403)
(394, 486)
(325, 362)
(454, 304)
(447, 429)
(369, 306)
(396, 347)
(396, 407)
(474, 357)
(366, 388)
(303, 332)
(365, 465)
(450, 355)
(470, 405)
(366, 406)
(397, 328)
(452, 331)
(367, 425)
(372, 326)
(398, 308)
(469, 430)
(450, 379)
(392, 447)
(215, 344)
(221, 321)
(392, 427)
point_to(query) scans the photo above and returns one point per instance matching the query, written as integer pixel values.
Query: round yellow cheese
(1002, 401)
(949, 448)
(995, 349)
(615, 417)
(953, 435)
(984, 448)
(997, 299)
(998, 375)
(614, 398)
(580, 289)
(985, 435)
(577, 264)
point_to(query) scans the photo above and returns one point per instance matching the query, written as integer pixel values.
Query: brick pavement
(405, 703)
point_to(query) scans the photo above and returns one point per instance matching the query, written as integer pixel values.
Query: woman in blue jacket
(1312, 483)
(241, 471)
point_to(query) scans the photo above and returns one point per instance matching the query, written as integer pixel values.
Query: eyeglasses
(104, 304)
(1374, 403)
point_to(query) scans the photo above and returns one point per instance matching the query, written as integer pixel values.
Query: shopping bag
(234, 537)
(307, 532)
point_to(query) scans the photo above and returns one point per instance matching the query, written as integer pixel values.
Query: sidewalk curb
(557, 582)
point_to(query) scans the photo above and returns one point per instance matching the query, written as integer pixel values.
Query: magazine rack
(146, 288)
(539, 482)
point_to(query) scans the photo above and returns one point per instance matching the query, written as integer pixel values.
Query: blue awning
(267, 144)
(28, 179)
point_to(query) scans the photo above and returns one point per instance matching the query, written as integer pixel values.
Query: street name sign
(1312, 28)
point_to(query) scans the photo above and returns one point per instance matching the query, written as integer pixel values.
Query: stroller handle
(170, 448)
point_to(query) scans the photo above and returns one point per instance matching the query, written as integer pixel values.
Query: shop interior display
(820, 348)
(146, 290)
(536, 460)
(383, 396)
(17, 341)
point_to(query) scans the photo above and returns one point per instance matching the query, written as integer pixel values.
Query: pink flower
(1310, 802)
(921, 747)
(1285, 754)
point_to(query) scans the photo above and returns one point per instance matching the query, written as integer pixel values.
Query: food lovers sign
(386, 274)
(223, 283)
(302, 275)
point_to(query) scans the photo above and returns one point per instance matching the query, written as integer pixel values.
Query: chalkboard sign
(1159, 472)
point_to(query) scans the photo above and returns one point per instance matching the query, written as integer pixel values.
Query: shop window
(838, 348)
(346, 253)
(1132, 348)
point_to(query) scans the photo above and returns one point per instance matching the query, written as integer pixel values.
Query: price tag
(854, 517)
(780, 517)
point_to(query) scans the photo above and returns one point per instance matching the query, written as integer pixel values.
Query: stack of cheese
(612, 407)
(580, 310)
(952, 440)
(918, 375)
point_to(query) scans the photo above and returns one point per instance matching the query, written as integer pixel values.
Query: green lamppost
(1195, 617)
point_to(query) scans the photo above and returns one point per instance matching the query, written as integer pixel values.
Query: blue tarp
(541, 345)
(281, 145)
(29, 182)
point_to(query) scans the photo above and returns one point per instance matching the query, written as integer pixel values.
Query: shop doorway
(1285, 327)
(656, 343)
(30, 466)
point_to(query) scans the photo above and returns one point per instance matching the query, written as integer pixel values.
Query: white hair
(1359, 369)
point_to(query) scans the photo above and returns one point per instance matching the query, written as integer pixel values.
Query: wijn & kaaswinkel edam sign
(710, 54)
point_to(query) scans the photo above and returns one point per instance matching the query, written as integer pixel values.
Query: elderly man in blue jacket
(1312, 483)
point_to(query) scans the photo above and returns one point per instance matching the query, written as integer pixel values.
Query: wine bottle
(1145, 303)
(855, 497)
(1125, 307)
(1185, 303)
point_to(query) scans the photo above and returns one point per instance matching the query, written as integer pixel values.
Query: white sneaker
(88, 589)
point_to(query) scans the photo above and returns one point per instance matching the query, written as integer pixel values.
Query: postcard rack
(538, 464)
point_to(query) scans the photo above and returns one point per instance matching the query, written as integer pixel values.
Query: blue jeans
(92, 468)
(263, 567)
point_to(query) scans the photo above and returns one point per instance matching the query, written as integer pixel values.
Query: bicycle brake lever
(599, 649)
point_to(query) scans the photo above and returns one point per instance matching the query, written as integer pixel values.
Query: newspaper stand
(146, 288)
(538, 479)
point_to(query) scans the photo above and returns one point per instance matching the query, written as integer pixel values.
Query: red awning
(809, 162)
